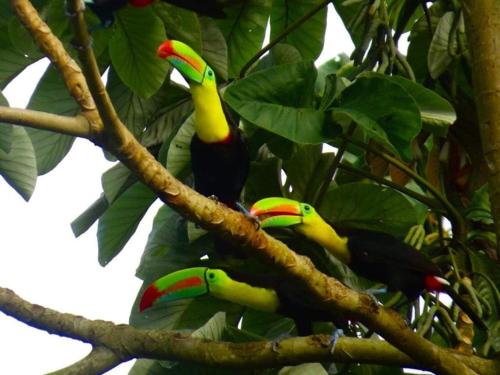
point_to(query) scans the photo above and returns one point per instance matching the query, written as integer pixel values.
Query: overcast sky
(42, 261)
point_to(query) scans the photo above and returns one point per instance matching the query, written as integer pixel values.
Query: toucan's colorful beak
(184, 59)
(277, 212)
(186, 283)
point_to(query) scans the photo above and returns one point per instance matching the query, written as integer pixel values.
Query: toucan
(199, 281)
(105, 9)
(374, 255)
(219, 149)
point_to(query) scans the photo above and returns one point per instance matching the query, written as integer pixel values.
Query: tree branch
(482, 21)
(99, 360)
(77, 126)
(54, 49)
(327, 293)
(118, 343)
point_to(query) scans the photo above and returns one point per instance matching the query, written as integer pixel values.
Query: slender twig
(98, 361)
(78, 126)
(337, 158)
(455, 217)
(293, 26)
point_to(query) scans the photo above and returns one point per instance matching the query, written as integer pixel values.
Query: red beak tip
(165, 49)
(149, 296)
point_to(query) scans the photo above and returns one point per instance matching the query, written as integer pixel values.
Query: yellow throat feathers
(210, 122)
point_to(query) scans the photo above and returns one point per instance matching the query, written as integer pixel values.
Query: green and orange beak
(186, 283)
(277, 212)
(184, 59)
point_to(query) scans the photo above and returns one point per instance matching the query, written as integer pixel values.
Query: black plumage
(221, 169)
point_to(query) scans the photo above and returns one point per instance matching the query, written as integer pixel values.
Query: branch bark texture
(482, 20)
(114, 344)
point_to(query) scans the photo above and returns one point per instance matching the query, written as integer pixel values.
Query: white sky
(42, 261)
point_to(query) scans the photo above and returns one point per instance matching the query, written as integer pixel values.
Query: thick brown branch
(54, 49)
(113, 125)
(77, 126)
(98, 361)
(123, 342)
(482, 19)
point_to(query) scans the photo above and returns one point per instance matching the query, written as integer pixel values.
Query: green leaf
(179, 153)
(244, 29)
(438, 57)
(268, 171)
(213, 329)
(300, 170)
(352, 206)
(133, 110)
(5, 129)
(180, 24)
(20, 38)
(375, 102)
(279, 99)
(18, 167)
(173, 109)
(304, 369)
(88, 217)
(121, 219)
(51, 148)
(436, 112)
(479, 208)
(115, 180)
(280, 54)
(214, 47)
(133, 47)
(309, 37)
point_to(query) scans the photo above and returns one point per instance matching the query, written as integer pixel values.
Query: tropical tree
(416, 152)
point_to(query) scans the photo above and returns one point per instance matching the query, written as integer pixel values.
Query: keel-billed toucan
(105, 9)
(374, 255)
(219, 151)
(199, 281)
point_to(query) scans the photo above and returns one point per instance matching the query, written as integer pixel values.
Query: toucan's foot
(213, 198)
(336, 334)
(374, 292)
(254, 219)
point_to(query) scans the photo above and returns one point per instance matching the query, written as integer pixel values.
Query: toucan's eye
(307, 208)
(210, 73)
(211, 275)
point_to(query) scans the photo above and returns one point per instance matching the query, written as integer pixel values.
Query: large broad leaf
(309, 37)
(121, 219)
(382, 107)
(5, 129)
(304, 369)
(436, 112)
(267, 170)
(279, 100)
(244, 29)
(133, 110)
(300, 170)
(479, 208)
(181, 24)
(133, 47)
(18, 166)
(174, 105)
(88, 217)
(214, 47)
(115, 180)
(438, 57)
(51, 148)
(179, 154)
(369, 206)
